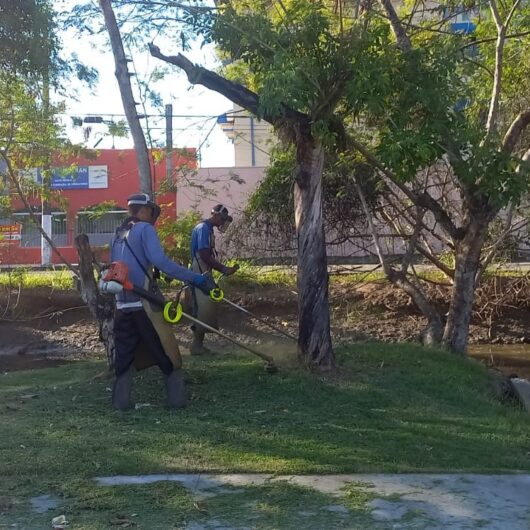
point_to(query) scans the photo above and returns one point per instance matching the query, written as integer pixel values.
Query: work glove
(231, 270)
(205, 283)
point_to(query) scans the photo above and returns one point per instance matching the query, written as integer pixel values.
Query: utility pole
(169, 153)
(46, 214)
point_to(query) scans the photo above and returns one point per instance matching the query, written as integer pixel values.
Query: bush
(175, 235)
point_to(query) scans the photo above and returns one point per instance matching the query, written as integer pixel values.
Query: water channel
(511, 359)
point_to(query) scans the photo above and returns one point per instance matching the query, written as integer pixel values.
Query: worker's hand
(231, 270)
(205, 283)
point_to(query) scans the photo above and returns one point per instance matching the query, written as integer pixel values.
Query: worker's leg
(201, 311)
(197, 346)
(176, 392)
(126, 338)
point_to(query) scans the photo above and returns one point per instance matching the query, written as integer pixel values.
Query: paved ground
(414, 501)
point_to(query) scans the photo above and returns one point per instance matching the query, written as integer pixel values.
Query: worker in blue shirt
(204, 260)
(137, 325)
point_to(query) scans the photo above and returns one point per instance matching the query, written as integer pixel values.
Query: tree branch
(238, 94)
(129, 105)
(514, 132)
(493, 250)
(497, 77)
(491, 39)
(424, 199)
(512, 13)
(402, 38)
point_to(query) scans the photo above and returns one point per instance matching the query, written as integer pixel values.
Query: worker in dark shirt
(136, 243)
(204, 260)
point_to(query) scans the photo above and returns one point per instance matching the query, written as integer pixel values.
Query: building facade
(90, 197)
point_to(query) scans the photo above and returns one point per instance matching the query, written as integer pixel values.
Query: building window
(31, 235)
(99, 227)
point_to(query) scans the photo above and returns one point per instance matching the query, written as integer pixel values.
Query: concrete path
(411, 501)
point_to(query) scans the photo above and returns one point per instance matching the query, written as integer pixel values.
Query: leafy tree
(404, 93)
(30, 66)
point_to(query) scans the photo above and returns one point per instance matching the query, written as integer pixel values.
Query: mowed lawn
(390, 408)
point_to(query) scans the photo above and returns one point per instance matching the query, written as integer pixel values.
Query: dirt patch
(55, 325)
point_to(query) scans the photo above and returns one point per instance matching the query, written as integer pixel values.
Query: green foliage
(300, 57)
(273, 198)
(118, 129)
(28, 40)
(176, 235)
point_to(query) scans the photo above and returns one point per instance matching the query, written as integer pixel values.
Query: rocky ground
(55, 325)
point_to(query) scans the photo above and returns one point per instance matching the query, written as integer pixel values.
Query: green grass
(248, 275)
(394, 408)
(26, 279)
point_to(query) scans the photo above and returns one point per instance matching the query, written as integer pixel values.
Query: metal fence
(30, 234)
(99, 227)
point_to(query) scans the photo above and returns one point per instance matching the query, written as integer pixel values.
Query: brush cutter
(115, 279)
(217, 294)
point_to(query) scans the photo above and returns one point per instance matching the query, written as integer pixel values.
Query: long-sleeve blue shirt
(144, 242)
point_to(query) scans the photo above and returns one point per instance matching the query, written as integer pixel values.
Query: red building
(107, 179)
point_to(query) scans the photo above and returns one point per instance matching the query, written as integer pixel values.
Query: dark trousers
(130, 329)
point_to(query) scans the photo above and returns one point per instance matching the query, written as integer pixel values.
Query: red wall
(123, 181)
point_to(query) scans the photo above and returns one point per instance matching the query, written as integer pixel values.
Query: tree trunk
(314, 339)
(433, 332)
(467, 263)
(101, 306)
(129, 105)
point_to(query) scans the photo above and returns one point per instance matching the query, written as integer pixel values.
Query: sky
(202, 106)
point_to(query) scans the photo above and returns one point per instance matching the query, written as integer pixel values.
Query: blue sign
(463, 27)
(68, 179)
(80, 178)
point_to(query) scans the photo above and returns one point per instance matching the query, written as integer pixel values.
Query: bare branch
(402, 38)
(424, 199)
(433, 333)
(240, 95)
(502, 28)
(495, 14)
(497, 78)
(491, 254)
(491, 39)
(450, 273)
(384, 263)
(514, 8)
(514, 132)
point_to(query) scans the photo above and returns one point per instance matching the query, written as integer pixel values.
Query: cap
(222, 210)
(142, 199)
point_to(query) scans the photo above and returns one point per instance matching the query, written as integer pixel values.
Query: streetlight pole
(169, 152)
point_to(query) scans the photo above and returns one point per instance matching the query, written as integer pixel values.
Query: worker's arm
(206, 255)
(155, 254)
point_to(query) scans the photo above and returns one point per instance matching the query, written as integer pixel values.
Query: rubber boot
(197, 346)
(176, 389)
(121, 391)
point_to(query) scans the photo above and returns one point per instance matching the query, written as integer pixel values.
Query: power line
(120, 115)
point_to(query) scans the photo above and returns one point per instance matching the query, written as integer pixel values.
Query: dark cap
(142, 199)
(221, 210)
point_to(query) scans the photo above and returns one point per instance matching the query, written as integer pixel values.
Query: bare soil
(45, 327)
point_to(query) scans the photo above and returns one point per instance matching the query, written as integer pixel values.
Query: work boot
(197, 346)
(176, 389)
(121, 391)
